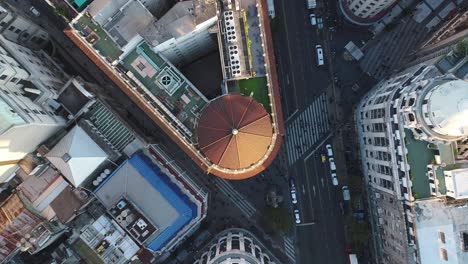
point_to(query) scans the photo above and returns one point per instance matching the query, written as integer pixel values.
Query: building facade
(27, 90)
(236, 245)
(184, 33)
(21, 30)
(409, 127)
(364, 12)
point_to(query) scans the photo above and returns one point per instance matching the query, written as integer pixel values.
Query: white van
(346, 194)
(329, 150)
(313, 21)
(332, 164)
(334, 179)
(320, 60)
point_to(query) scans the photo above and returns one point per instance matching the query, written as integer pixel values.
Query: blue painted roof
(185, 207)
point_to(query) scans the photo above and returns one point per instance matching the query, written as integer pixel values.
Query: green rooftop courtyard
(419, 156)
(104, 43)
(166, 83)
(258, 89)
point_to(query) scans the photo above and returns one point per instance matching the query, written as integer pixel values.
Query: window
(442, 237)
(443, 254)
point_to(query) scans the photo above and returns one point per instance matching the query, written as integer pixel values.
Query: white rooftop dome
(448, 108)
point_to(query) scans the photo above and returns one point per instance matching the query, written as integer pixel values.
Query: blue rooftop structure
(151, 191)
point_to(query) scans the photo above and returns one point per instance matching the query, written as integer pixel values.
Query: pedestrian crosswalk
(307, 129)
(290, 249)
(243, 204)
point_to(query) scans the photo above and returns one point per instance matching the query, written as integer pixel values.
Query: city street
(308, 103)
(314, 108)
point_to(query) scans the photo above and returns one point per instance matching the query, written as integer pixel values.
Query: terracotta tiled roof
(234, 131)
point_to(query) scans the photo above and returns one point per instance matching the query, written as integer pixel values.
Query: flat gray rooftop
(129, 183)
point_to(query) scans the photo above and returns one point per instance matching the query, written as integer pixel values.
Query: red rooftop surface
(235, 132)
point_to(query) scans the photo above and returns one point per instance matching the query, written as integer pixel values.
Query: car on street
(320, 59)
(297, 216)
(319, 23)
(346, 194)
(34, 11)
(324, 158)
(329, 150)
(332, 164)
(334, 179)
(313, 20)
(292, 189)
(293, 196)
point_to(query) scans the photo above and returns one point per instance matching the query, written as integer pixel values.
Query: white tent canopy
(76, 156)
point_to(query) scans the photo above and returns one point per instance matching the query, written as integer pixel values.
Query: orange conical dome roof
(234, 131)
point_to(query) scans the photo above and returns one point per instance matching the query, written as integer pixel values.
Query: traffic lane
(287, 56)
(310, 79)
(300, 78)
(329, 215)
(325, 214)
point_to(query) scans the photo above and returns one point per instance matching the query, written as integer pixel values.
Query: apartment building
(27, 91)
(411, 128)
(365, 11)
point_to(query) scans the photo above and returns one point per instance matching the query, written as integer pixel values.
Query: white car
(329, 150)
(319, 51)
(332, 164)
(34, 11)
(297, 216)
(313, 21)
(293, 196)
(334, 179)
(346, 194)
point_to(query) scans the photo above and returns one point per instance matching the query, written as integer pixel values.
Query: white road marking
(306, 129)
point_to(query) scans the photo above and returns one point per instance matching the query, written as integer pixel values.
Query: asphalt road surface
(306, 102)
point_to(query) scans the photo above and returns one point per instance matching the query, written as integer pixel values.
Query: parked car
(297, 216)
(329, 150)
(346, 194)
(334, 179)
(332, 164)
(313, 21)
(34, 11)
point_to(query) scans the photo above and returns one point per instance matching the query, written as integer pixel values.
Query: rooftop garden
(258, 89)
(165, 83)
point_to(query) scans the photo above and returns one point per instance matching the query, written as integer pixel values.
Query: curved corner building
(232, 136)
(411, 127)
(365, 12)
(236, 246)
